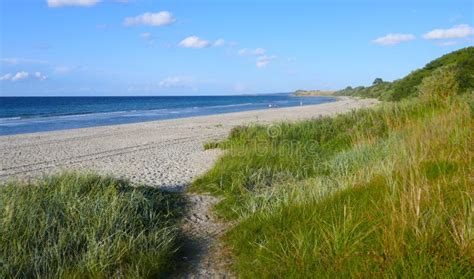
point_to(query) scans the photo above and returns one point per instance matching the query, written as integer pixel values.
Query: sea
(20, 115)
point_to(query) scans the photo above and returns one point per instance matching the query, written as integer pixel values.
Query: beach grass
(211, 145)
(384, 192)
(380, 192)
(86, 226)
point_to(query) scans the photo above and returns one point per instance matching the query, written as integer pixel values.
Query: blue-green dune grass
(85, 225)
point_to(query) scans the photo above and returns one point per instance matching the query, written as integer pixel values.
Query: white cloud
(219, 43)
(458, 31)
(40, 76)
(252, 52)
(393, 39)
(194, 42)
(79, 3)
(62, 3)
(22, 75)
(6, 77)
(177, 81)
(263, 61)
(153, 19)
(262, 58)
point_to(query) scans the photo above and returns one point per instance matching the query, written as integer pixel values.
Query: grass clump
(211, 145)
(408, 213)
(85, 225)
(383, 192)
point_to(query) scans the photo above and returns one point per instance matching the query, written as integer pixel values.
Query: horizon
(204, 48)
(147, 96)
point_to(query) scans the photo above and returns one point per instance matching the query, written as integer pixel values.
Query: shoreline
(17, 125)
(190, 118)
(163, 153)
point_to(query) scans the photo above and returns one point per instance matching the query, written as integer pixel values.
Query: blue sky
(144, 47)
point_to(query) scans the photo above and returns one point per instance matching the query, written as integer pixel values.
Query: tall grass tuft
(85, 225)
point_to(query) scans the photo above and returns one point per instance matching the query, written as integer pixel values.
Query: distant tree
(377, 81)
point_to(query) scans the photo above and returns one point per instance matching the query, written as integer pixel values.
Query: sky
(145, 47)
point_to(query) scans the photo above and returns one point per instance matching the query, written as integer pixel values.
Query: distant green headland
(314, 92)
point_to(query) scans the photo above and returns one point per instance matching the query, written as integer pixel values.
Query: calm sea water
(34, 114)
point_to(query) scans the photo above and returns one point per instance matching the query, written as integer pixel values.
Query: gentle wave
(141, 112)
(69, 113)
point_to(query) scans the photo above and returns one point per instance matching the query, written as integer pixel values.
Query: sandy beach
(165, 153)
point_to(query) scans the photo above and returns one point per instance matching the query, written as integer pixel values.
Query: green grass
(211, 145)
(85, 225)
(260, 156)
(384, 192)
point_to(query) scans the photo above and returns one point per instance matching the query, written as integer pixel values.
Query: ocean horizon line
(20, 115)
(174, 95)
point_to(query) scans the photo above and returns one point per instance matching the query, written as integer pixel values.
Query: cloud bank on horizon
(204, 48)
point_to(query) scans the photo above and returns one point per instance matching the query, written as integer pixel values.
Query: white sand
(165, 153)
